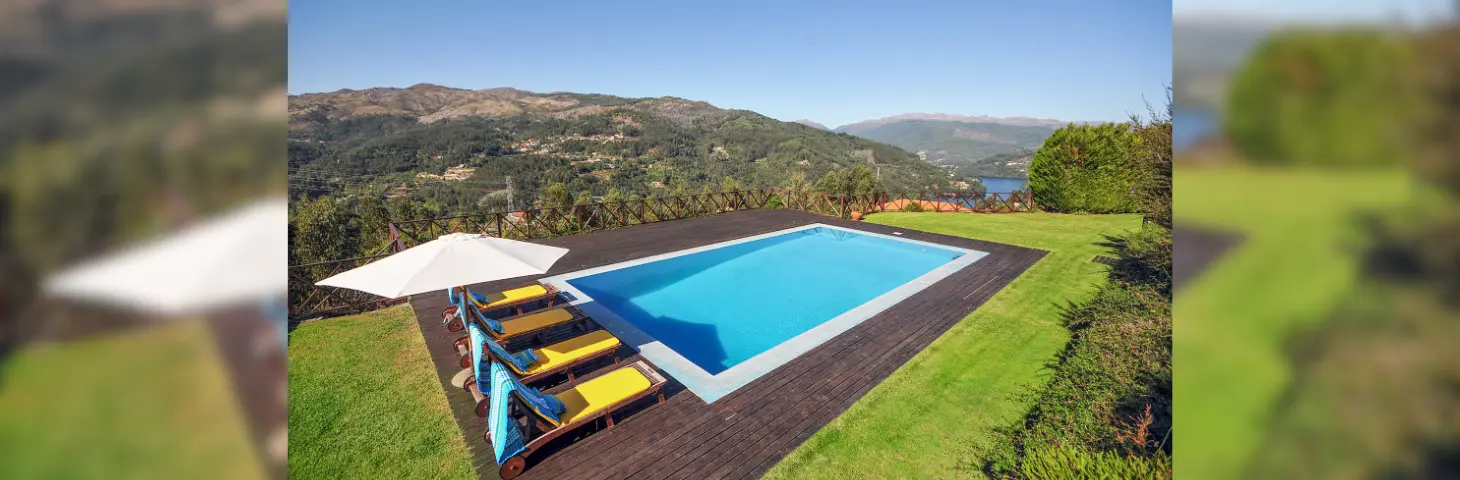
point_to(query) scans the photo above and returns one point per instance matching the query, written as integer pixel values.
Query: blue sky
(1316, 10)
(832, 62)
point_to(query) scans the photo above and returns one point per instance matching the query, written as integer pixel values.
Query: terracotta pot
(857, 216)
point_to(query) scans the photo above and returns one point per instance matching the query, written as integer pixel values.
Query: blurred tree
(1151, 156)
(613, 196)
(796, 190)
(1321, 97)
(374, 224)
(833, 183)
(858, 180)
(556, 196)
(978, 189)
(1374, 393)
(324, 231)
(864, 180)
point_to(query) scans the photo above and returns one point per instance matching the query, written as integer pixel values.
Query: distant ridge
(812, 124)
(854, 128)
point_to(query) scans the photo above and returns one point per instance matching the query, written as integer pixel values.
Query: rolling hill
(402, 141)
(1008, 165)
(960, 143)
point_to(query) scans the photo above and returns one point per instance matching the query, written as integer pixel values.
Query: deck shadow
(1195, 250)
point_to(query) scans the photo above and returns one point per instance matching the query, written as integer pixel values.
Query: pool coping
(714, 387)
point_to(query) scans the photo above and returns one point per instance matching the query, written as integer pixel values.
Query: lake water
(1003, 185)
(1190, 125)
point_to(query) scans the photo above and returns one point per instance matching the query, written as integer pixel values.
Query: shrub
(773, 203)
(1085, 168)
(1111, 388)
(1151, 158)
(858, 180)
(1321, 97)
(912, 206)
(1078, 463)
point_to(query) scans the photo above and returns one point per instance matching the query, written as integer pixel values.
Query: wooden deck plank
(745, 433)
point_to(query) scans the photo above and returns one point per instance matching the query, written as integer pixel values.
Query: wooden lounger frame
(551, 295)
(463, 344)
(467, 379)
(514, 466)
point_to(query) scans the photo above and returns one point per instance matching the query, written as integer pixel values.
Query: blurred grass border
(1234, 321)
(152, 402)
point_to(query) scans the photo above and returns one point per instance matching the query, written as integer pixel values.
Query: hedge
(1086, 169)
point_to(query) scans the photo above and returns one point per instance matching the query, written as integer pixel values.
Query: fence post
(395, 243)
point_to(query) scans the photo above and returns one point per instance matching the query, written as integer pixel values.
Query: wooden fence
(309, 300)
(577, 219)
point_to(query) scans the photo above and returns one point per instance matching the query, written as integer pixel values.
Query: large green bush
(1085, 168)
(1321, 97)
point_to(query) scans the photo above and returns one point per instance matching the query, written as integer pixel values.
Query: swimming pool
(718, 316)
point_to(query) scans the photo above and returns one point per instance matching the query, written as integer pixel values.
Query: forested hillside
(123, 117)
(409, 142)
(1010, 165)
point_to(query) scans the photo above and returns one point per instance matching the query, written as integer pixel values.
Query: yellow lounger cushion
(510, 296)
(597, 394)
(558, 354)
(533, 321)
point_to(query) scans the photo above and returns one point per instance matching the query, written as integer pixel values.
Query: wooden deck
(1198, 248)
(745, 433)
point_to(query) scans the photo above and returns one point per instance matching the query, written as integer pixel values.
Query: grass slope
(364, 402)
(150, 403)
(1232, 322)
(929, 417)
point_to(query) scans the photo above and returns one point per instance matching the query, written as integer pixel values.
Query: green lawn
(1232, 322)
(364, 402)
(926, 419)
(149, 403)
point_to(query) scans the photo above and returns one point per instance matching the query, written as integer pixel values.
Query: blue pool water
(720, 307)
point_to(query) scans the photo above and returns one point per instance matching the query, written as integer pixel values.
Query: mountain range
(402, 141)
(967, 145)
(859, 127)
(946, 142)
(812, 124)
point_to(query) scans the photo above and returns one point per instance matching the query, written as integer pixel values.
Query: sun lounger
(501, 331)
(530, 365)
(515, 300)
(545, 417)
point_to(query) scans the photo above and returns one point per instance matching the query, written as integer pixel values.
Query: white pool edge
(713, 387)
